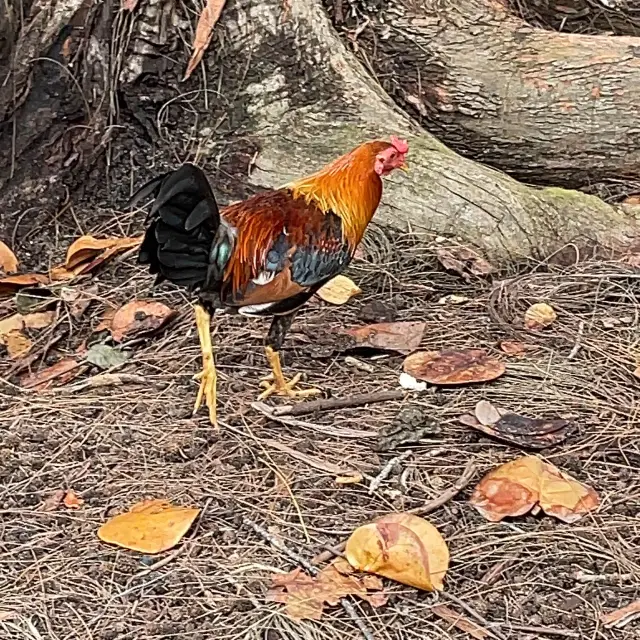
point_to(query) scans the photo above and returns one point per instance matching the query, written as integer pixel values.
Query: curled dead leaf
(151, 526)
(538, 316)
(453, 367)
(86, 248)
(403, 337)
(8, 260)
(305, 597)
(402, 547)
(521, 485)
(139, 317)
(10, 284)
(204, 30)
(338, 290)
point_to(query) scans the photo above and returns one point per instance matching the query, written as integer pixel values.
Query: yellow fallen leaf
(204, 30)
(8, 260)
(539, 315)
(403, 547)
(18, 345)
(10, 284)
(528, 483)
(339, 290)
(151, 526)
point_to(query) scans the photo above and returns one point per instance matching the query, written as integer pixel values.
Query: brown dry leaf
(18, 345)
(11, 323)
(464, 261)
(458, 620)
(8, 260)
(204, 31)
(538, 316)
(86, 248)
(10, 284)
(106, 320)
(515, 488)
(403, 547)
(513, 348)
(72, 501)
(304, 596)
(60, 373)
(139, 317)
(151, 526)
(621, 617)
(53, 501)
(339, 290)
(403, 337)
(453, 367)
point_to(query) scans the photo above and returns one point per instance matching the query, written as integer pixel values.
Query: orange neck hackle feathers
(349, 187)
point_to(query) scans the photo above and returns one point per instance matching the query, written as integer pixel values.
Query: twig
(338, 403)
(576, 347)
(545, 631)
(427, 507)
(461, 483)
(305, 564)
(386, 471)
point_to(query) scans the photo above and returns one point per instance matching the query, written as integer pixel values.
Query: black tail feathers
(183, 225)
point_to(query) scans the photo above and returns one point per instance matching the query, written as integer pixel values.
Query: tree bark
(547, 107)
(292, 98)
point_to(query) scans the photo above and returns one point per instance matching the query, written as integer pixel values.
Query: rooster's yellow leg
(276, 383)
(208, 376)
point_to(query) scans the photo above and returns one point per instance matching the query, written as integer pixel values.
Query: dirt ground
(527, 577)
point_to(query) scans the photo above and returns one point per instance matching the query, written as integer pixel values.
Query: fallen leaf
(204, 31)
(464, 261)
(459, 621)
(486, 413)
(339, 290)
(39, 320)
(86, 248)
(453, 367)
(530, 433)
(528, 483)
(8, 260)
(11, 323)
(402, 547)
(304, 596)
(10, 284)
(53, 501)
(151, 526)
(105, 356)
(538, 316)
(621, 617)
(71, 500)
(106, 320)
(78, 300)
(18, 345)
(513, 348)
(403, 337)
(139, 317)
(62, 372)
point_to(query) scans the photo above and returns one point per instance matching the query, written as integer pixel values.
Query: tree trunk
(282, 96)
(549, 108)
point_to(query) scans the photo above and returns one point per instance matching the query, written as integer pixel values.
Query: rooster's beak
(404, 167)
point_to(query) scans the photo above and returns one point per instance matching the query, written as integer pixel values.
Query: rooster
(265, 256)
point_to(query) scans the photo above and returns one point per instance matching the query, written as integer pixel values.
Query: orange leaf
(8, 260)
(72, 501)
(538, 316)
(403, 547)
(151, 526)
(517, 487)
(338, 290)
(304, 597)
(10, 284)
(87, 248)
(204, 30)
(18, 345)
(62, 372)
(403, 337)
(621, 617)
(453, 367)
(513, 348)
(139, 317)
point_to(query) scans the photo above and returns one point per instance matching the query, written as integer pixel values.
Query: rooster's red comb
(401, 145)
